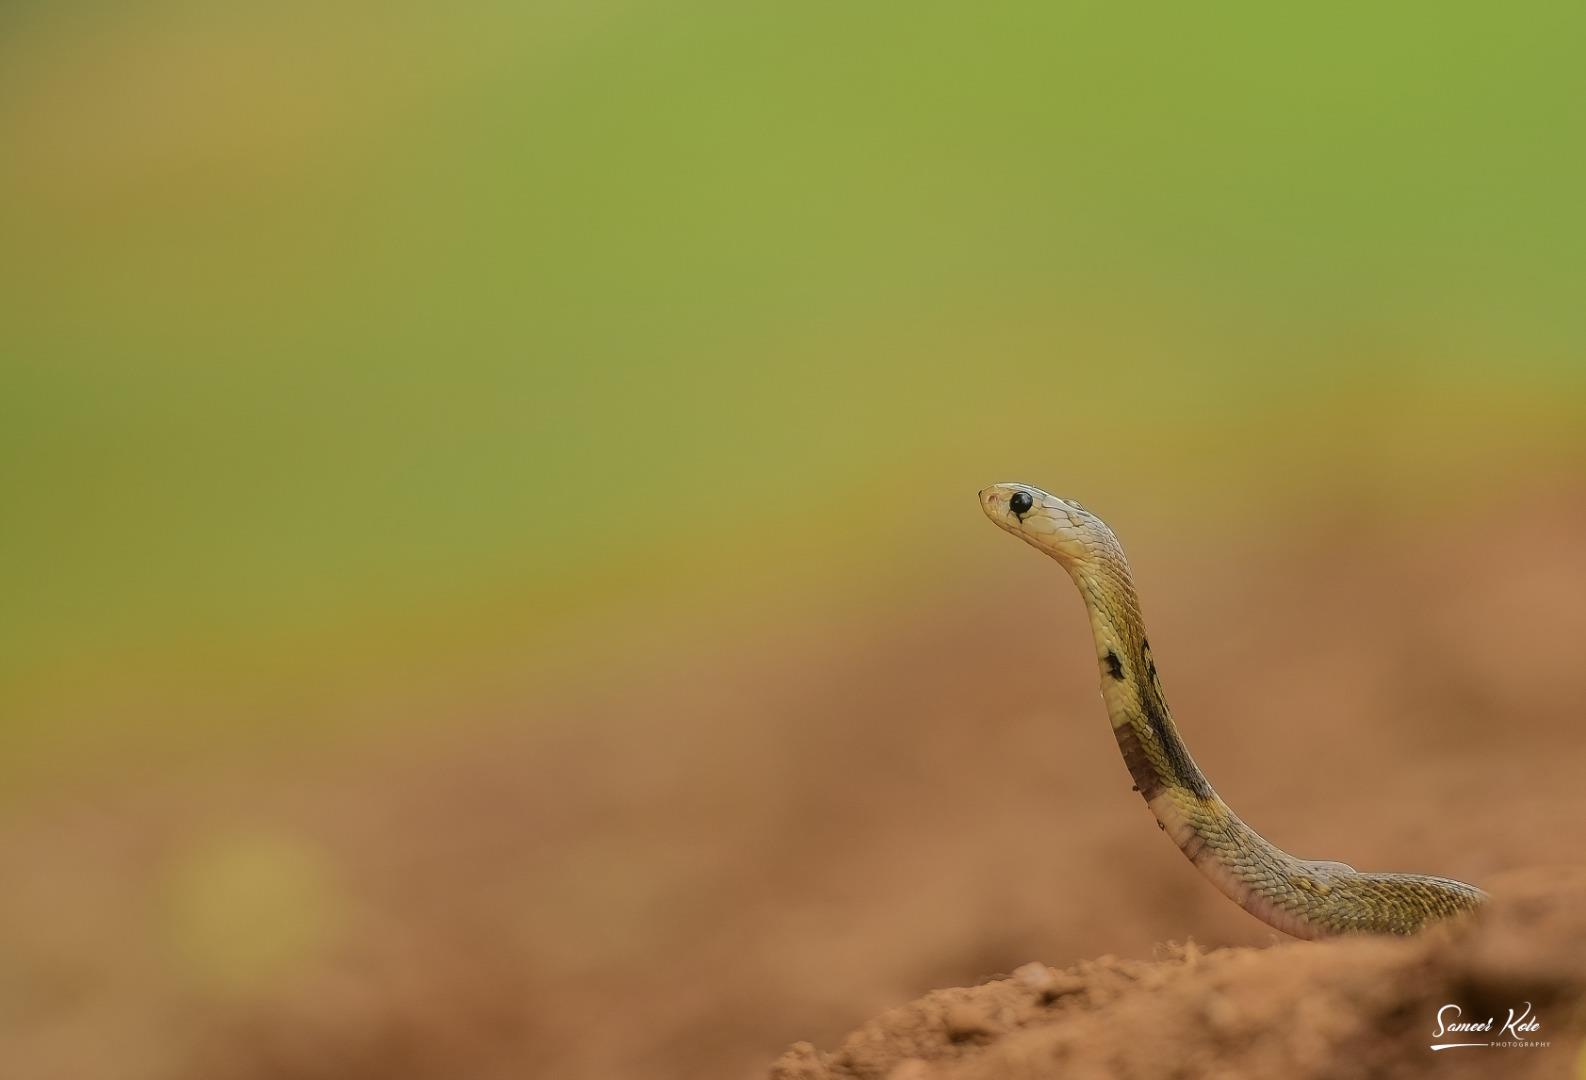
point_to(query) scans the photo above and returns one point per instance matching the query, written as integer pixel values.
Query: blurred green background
(357, 344)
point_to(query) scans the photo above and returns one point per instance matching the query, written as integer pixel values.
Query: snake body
(1303, 897)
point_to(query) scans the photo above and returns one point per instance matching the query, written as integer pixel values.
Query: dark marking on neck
(1147, 781)
(1179, 761)
(1114, 665)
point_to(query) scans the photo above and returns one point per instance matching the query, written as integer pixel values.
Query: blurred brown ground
(707, 845)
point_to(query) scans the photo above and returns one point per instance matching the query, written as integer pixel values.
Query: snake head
(1060, 527)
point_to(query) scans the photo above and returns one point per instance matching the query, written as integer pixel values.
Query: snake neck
(1152, 748)
(1183, 801)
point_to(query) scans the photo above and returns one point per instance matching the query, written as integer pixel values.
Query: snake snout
(997, 504)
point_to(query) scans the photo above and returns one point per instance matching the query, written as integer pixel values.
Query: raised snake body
(1302, 897)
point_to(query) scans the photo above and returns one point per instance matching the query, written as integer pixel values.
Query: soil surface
(1356, 1007)
(753, 830)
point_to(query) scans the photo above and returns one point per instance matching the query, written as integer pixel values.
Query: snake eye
(1020, 503)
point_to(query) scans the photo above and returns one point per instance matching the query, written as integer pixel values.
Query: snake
(1302, 897)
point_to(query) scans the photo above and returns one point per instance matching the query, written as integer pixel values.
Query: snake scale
(1306, 898)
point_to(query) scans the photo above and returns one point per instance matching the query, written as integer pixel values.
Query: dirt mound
(1354, 1007)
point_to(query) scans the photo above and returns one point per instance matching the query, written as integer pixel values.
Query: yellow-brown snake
(1302, 897)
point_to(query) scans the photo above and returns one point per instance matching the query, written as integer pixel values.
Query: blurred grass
(340, 336)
